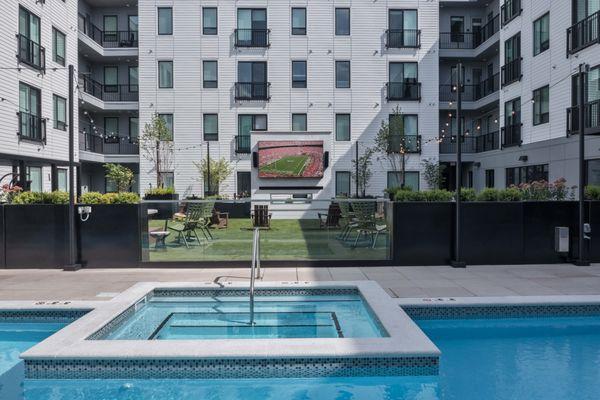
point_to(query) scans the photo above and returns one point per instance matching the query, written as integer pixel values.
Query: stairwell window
(209, 21)
(342, 74)
(298, 21)
(541, 34)
(165, 20)
(541, 107)
(168, 118)
(211, 127)
(342, 183)
(165, 74)
(342, 127)
(299, 122)
(298, 74)
(342, 22)
(209, 74)
(58, 47)
(60, 112)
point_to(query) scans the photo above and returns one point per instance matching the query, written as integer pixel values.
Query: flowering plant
(8, 192)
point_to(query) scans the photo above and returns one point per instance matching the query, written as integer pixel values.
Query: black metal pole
(457, 262)
(356, 170)
(208, 168)
(72, 265)
(581, 261)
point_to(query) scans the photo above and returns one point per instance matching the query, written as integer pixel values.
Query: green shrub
(468, 194)
(417, 196)
(510, 194)
(109, 198)
(160, 191)
(592, 192)
(438, 195)
(402, 195)
(28, 198)
(91, 198)
(126, 198)
(56, 197)
(488, 194)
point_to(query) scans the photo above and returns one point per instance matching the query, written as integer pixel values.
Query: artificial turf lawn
(287, 166)
(288, 239)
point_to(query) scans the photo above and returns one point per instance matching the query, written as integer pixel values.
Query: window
(592, 176)
(58, 46)
(111, 79)
(299, 123)
(249, 123)
(403, 84)
(489, 178)
(168, 118)
(404, 131)
(342, 74)
(512, 49)
(134, 129)
(411, 180)
(512, 112)
(298, 21)
(165, 74)
(29, 39)
(342, 127)
(34, 177)
(132, 25)
(165, 21)
(541, 34)
(243, 184)
(457, 29)
(61, 178)
(211, 127)
(30, 112)
(298, 74)
(403, 28)
(111, 23)
(541, 100)
(209, 74)
(342, 21)
(252, 27)
(168, 179)
(111, 129)
(209, 20)
(133, 79)
(60, 112)
(252, 80)
(342, 184)
(519, 175)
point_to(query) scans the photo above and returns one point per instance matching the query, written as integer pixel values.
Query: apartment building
(521, 119)
(38, 40)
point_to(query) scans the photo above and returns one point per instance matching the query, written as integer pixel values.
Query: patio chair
(367, 222)
(332, 218)
(349, 220)
(206, 216)
(186, 227)
(261, 218)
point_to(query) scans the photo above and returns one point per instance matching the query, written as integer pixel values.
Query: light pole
(581, 261)
(457, 261)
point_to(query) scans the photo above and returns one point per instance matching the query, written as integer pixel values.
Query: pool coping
(405, 339)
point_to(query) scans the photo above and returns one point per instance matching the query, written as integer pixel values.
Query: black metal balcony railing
(31, 127)
(110, 145)
(583, 34)
(403, 91)
(471, 92)
(252, 91)
(470, 40)
(405, 144)
(110, 92)
(403, 38)
(511, 72)
(511, 135)
(110, 39)
(242, 144)
(510, 10)
(592, 118)
(31, 53)
(471, 144)
(252, 38)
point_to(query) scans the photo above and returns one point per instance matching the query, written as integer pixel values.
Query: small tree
(433, 173)
(120, 175)
(157, 146)
(361, 171)
(219, 172)
(393, 146)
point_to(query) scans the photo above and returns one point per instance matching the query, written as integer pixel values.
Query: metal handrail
(255, 269)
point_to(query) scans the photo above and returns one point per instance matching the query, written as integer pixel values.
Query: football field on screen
(287, 166)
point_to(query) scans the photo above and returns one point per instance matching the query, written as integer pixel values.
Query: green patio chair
(187, 227)
(367, 221)
(348, 219)
(206, 219)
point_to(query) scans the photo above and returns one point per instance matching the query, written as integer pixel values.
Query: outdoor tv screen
(290, 159)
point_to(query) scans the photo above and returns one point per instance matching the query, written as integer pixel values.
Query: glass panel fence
(291, 230)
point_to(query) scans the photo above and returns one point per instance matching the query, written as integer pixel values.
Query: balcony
(510, 10)
(242, 144)
(31, 53)
(111, 93)
(403, 38)
(252, 91)
(252, 38)
(471, 144)
(405, 144)
(31, 127)
(583, 34)
(469, 40)
(403, 91)
(109, 39)
(471, 92)
(592, 119)
(511, 72)
(511, 135)
(110, 145)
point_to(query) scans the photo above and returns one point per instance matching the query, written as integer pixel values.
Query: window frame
(131, 86)
(298, 31)
(337, 21)
(490, 178)
(162, 115)
(58, 124)
(207, 84)
(539, 116)
(111, 139)
(166, 62)
(305, 116)
(210, 31)
(158, 31)
(133, 138)
(543, 45)
(337, 81)
(393, 173)
(214, 136)
(300, 84)
(60, 60)
(28, 178)
(337, 133)
(338, 193)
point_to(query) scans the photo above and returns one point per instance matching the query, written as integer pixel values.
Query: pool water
(312, 316)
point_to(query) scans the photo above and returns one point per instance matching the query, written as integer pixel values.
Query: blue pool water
(312, 316)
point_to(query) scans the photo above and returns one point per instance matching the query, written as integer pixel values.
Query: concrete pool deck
(398, 282)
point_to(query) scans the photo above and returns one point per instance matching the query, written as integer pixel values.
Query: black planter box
(165, 210)
(235, 210)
